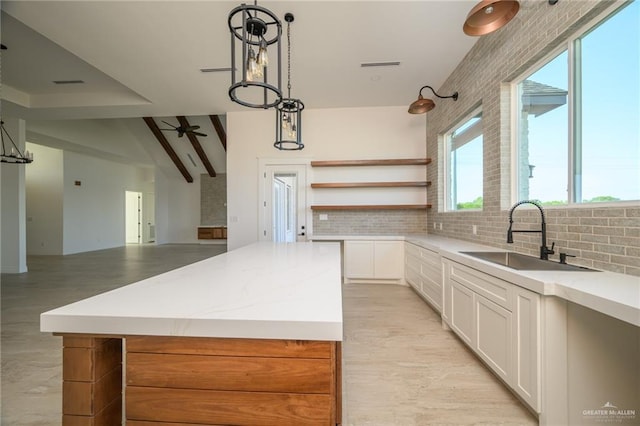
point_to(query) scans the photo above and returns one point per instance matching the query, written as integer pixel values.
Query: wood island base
(203, 381)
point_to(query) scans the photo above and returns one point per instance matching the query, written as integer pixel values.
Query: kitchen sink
(523, 261)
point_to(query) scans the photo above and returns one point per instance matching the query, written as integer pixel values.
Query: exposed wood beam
(184, 123)
(167, 147)
(217, 124)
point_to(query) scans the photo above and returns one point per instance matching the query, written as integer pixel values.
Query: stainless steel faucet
(544, 250)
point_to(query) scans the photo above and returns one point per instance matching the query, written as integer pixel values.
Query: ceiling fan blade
(199, 134)
(192, 128)
(169, 124)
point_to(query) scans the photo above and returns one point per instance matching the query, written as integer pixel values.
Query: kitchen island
(252, 336)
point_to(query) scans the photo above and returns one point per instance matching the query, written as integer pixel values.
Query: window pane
(464, 165)
(543, 134)
(609, 169)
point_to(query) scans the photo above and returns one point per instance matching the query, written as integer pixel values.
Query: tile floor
(400, 367)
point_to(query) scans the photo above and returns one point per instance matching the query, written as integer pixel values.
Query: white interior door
(283, 203)
(133, 217)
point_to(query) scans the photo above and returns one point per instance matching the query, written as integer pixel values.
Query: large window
(463, 164)
(578, 128)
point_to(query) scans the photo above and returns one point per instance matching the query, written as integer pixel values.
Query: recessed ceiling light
(380, 64)
(68, 81)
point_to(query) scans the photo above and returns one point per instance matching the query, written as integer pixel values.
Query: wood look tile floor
(400, 368)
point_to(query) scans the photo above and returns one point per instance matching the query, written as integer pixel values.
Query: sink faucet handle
(563, 257)
(550, 251)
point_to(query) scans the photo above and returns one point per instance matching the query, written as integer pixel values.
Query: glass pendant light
(255, 83)
(263, 57)
(289, 111)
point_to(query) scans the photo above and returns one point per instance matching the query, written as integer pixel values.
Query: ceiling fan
(182, 130)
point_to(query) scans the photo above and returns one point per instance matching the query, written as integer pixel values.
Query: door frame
(264, 218)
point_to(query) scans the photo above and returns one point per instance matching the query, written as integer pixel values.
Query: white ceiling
(143, 58)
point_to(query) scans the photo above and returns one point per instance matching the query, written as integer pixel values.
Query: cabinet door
(388, 259)
(526, 346)
(411, 272)
(462, 316)
(493, 340)
(431, 270)
(446, 292)
(358, 259)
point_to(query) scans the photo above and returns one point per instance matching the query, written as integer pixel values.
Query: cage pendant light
(289, 111)
(256, 76)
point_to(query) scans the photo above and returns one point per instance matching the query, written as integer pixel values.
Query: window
(577, 125)
(463, 165)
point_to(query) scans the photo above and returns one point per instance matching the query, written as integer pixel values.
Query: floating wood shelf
(393, 162)
(375, 207)
(370, 184)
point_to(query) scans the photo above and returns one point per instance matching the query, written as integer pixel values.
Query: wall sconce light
(489, 16)
(289, 111)
(13, 156)
(257, 29)
(423, 105)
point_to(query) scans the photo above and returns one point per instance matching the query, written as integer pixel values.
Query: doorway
(133, 217)
(283, 203)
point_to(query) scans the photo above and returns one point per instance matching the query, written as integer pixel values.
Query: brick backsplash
(370, 222)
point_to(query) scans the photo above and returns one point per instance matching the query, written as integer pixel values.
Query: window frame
(446, 136)
(568, 45)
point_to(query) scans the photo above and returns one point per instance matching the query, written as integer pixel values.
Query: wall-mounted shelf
(391, 162)
(371, 184)
(387, 184)
(375, 207)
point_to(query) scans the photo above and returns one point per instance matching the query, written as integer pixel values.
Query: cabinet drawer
(494, 289)
(412, 249)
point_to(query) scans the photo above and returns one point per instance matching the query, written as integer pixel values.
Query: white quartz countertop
(616, 295)
(264, 290)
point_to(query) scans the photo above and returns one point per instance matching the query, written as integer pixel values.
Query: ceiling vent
(227, 69)
(380, 64)
(68, 81)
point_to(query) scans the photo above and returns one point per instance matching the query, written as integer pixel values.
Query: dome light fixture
(289, 111)
(422, 105)
(489, 16)
(259, 32)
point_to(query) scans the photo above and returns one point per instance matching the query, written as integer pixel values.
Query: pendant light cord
(289, 60)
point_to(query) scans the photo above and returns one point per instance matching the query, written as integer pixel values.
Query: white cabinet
(526, 346)
(493, 338)
(358, 259)
(423, 271)
(373, 261)
(462, 313)
(500, 322)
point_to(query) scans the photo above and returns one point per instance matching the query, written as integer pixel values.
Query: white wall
(177, 208)
(44, 185)
(94, 211)
(184, 210)
(13, 205)
(328, 134)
